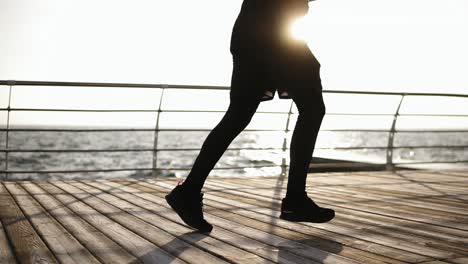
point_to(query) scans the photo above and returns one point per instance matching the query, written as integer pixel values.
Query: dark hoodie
(265, 22)
(266, 58)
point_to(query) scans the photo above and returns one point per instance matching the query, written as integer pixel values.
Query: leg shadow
(173, 248)
(298, 251)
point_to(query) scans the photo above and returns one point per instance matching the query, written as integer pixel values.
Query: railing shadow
(285, 248)
(422, 184)
(192, 236)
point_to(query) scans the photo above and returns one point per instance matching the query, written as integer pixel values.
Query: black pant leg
(236, 118)
(311, 109)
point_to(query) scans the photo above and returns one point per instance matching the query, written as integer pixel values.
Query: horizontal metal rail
(197, 87)
(110, 85)
(390, 147)
(207, 111)
(207, 129)
(431, 162)
(189, 168)
(122, 150)
(125, 110)
(229, 149)
(132, 169)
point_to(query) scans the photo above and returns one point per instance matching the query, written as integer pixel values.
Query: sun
(299, 28)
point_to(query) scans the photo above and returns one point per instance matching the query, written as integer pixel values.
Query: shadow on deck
(334, 165)
(407, 216)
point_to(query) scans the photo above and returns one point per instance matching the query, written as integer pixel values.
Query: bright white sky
(377, 45)
(398, 45)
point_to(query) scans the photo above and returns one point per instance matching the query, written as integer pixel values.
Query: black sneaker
(303, 209)
(189, 206)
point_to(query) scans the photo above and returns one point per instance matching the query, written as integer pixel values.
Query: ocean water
(326, 146)
(344, 112)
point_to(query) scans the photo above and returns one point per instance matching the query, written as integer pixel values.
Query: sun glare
(299, 29)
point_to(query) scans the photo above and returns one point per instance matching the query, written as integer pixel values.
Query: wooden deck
(382, 217)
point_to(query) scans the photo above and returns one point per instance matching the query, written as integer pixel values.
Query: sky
(398, 45)
(374, 45)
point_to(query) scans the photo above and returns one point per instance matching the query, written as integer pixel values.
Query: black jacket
(265, 56)
(265, 22)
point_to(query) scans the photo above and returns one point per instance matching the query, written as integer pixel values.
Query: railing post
(391, 136)
(156, 133)
(7, 134)
(285, 142)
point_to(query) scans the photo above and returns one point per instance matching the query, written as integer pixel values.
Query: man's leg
(311, 111)
(236, 118)
(186, 198)
(297, 206)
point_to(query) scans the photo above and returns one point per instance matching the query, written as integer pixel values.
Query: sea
(134, 150)
(70, 145)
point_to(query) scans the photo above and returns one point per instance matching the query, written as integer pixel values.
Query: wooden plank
(400, 210)
(442, 199)
(409, 173)
(245, 215)
(354, 180)
(408, 188)
(448, 172)
(357, 195)
(278, 249)
(412, 188)
(419, 176)
(27, 245)
(106, 250)
(402, 192)
(372, 195)
(461, 260)
(266, 213)
(411, 213)
(402, 225)
(6, 253)
(136, 245)
(364, 225)
(158, 206)
(437, 231)
(435, 262)
(398, 240)
(373, 174)
(436, 176)
(63, 245)
(216, 243)
(153, 233)
(351, 247)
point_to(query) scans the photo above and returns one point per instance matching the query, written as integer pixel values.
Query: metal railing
(163, 87)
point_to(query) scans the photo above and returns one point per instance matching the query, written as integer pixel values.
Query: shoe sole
(172, 205)
(296, 218)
